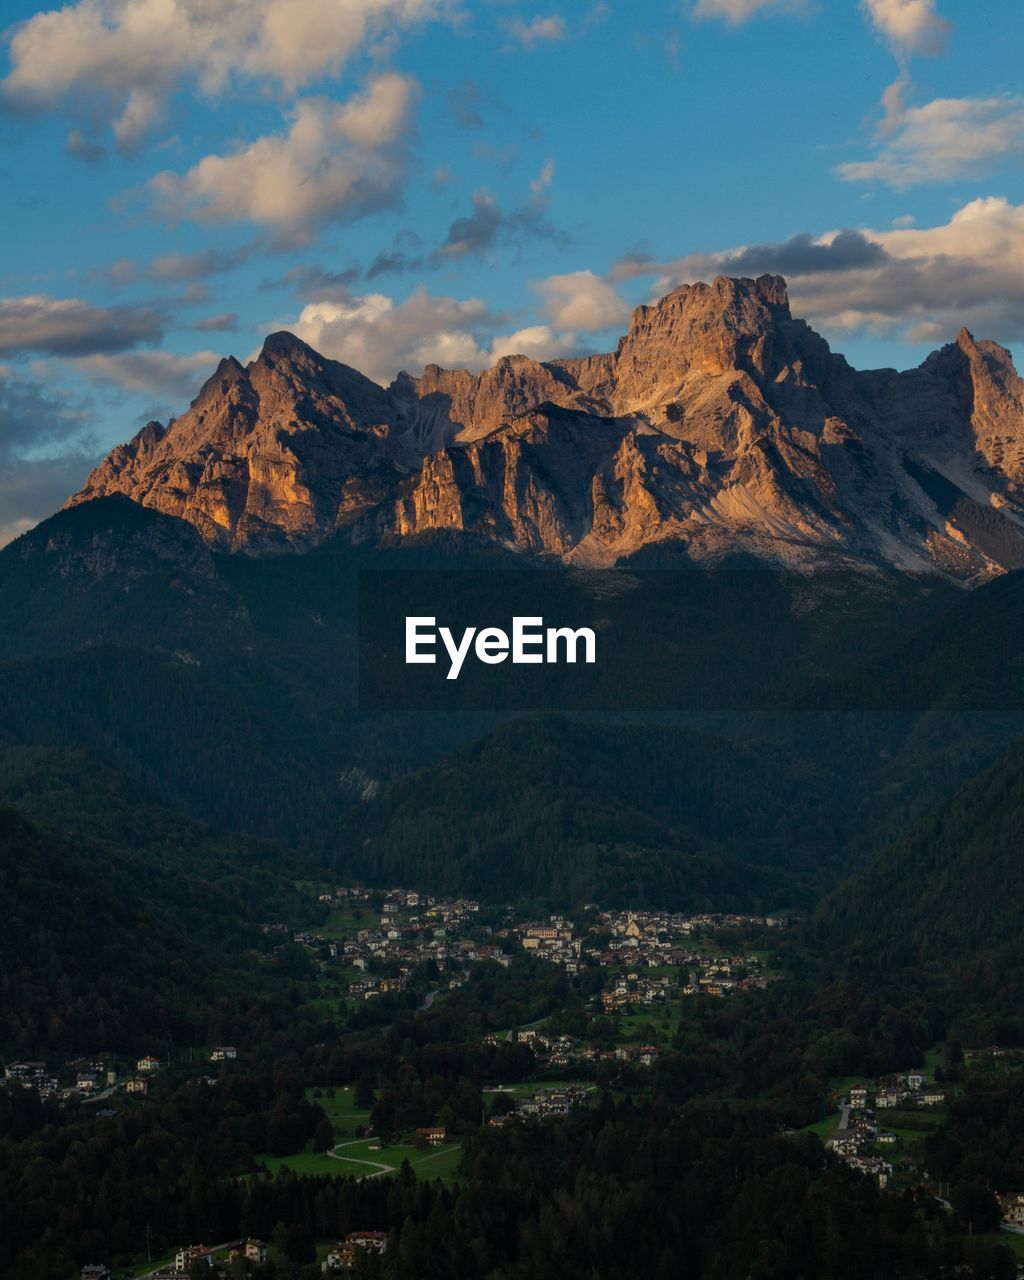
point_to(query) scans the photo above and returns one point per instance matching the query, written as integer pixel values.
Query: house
(24, 1070)
(343, 1256)
(137, 1085)
(858, 1097)
(191, 1254)
(932, 1097)
(1012, 1206)
(916, 1080)
(433, 1135)
(254, 1251)
(889, 1098)
(95, 1271)
(224, 1053)
(85, 1082)
(148, 1064)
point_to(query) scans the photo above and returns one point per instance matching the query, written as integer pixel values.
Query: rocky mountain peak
(719, 421)
(284, 345)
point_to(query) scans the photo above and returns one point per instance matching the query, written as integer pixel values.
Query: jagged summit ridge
(720, 421)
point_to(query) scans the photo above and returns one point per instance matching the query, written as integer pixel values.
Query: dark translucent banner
(685, 640)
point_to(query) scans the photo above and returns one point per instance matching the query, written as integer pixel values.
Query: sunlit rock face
(720, 422)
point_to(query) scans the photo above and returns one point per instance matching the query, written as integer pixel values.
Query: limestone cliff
(719, 421)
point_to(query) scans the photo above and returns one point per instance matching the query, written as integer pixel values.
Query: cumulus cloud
(917, 283)
(538, 341)
(941, 140)
(539, 30)
(581, 302)
(43, 325)
(336, 162)
(908, 26)
(159, 373)
(736, 12)
(120, 60)
(380, 337)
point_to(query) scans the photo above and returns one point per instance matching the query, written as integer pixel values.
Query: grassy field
(358, 1159)
(141, 1266)
(663, 1018)
(305, 1162)
(919, 1122)
(356, 1156)
(341, 1110)
(345, 922)
(823, 1128)
(1012, 1241)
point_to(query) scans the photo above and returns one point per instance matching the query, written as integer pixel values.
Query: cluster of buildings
(851, 1144)
(357, 1244)
(552, 940)
(654, 940)
(253, 1252)
(452, 912)
(654, 931)
(412, 928)
(81, 1078)
(857, 1142)
(893, 1092)
(544, 1104)
(87, 1079)
(631, 990)
(548, 1050)
(33, 1075)
(566, 1051)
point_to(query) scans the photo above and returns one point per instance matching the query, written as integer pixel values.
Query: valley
(715, 956)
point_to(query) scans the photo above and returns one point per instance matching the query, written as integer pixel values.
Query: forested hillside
(951, 889)
(106, 947)
(566, 811)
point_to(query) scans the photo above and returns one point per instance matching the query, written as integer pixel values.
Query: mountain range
(761, 734)
(720, 423)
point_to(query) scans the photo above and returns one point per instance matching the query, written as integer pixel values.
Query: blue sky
(401, 181)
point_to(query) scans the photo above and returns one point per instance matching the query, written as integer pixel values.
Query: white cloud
(154, 372)
(121, 59)
(538, 30)
(336, 162)
(70, 326)
(736, 12)
(909, 26)
(941, 140)
(581, 301)
(380, 337)
(918, 283)
(538, 341)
